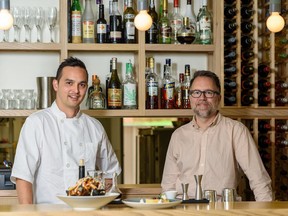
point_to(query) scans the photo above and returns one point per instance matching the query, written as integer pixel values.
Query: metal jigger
(185, 191)
(198, 195)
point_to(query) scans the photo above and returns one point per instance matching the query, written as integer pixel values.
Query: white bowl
(88, 203)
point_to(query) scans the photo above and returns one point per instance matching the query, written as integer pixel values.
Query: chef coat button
(67, 165)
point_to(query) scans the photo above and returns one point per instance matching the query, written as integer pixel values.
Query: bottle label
(76, 26)
(88, 29)
(115, 34)
(101, 28)
(205, 23)
(165, 34)
(129, 16)
(130, 30)
(129, 96)
(114, 97)
(168, 91)
(97, 103)
(152, 88)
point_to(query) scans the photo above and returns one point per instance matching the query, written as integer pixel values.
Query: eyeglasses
(207, 93)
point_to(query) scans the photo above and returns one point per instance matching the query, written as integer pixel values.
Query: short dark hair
(209, 74)
(72, 62)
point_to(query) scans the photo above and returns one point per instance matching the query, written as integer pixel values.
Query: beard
(207, 111)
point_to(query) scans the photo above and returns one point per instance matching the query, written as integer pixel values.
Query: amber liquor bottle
(152, 85)
(114, 88)
(185, 88)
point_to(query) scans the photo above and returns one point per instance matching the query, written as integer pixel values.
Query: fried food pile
(87, 186)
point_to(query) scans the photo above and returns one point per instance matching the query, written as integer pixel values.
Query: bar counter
(219, 209)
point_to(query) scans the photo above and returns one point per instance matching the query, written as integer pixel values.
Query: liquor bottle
(281, 100)
(230, 84)
(281, 126)
(114, 88)
(205, 25)
(230, 12)
(247, 42)
(175, 22)
(168, 90)
(281, 141)
(178, 99)
(152, 87)
(247, 55)
(264, 84)
(101, 26)
(264, 141)
(76, 22)
(230, 40)
(115, 24)
(185, 88)
(246, 12)
(81, 169)
(230, 26)
(247, 27)
(230, 55)
(97, 98)
(90, 90)
(247, 70)
(230, 70)
(128, 21)
(186, 34)
(189, 12)
(147, 68)
(115, 188)
(88, 24)
(281, 57)
(263, 70)
(164, 26)
(69, 16)
(151, 35)
(107, 78)
(247, 99)
(247, 84)
(263, 99)
(281, 85)
(280, 41)
(129, 88)
(230, 99)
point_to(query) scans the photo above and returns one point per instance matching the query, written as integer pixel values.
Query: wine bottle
(263, 70)
(230, 84)
(230, 12)
(115, 25)
(247, 42)
(229, 55)
(281, 85)
(264, 84)
(76, 17)
(230, 70)
(88, 23)
(230, 26)
(81, 169)
(282, 56)
(164, 26)
(264, 141)
(230, 40)
(205, 25)
(151, 35)
(265, 155)
(129, 88)
(247, 27)
(247, 99)
(185, 88)
(152, 87)
(189, 12)
(264, 126)
(246, 12)
(69, 25)
(178, 99)
(247, 84)
(175, 22)
(281, 100)
(281, 141)
(281, 127)
(101, 26)
(247, 55)
(114, 88)
(247, 70)
(230, 99)
(128, 21)
(263, 99)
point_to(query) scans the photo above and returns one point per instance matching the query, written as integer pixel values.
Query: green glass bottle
(76, 18)
(151, 35)
(164, 26)
(205, 25)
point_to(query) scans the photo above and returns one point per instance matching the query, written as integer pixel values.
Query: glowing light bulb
(6, 19)
(275, 22)
(143, 21)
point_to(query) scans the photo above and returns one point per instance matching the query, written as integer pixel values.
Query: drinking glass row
(17, 99)
(30, 17)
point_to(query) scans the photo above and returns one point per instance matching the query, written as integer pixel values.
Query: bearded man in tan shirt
(214, 146)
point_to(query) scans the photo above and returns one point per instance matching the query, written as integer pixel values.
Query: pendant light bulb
(275, 22)
(6, 19)
(143, 20)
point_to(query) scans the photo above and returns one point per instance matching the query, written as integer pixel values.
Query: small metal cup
(210, 195)
(229, 195)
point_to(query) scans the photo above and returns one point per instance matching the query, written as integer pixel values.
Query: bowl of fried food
(87, 194)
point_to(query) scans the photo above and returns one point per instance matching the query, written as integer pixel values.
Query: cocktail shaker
(198, 194)
(45, 92)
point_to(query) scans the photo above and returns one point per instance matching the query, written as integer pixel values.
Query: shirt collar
(215, 121)
(60, 114)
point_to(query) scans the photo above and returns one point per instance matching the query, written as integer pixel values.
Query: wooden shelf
(103, 47)
(180, 48)
(14, 46)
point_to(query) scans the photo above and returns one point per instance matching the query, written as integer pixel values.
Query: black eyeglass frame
(212, 93)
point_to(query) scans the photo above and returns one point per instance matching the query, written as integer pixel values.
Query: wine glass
(29, 20)
(51, 21)
(17, 13)
(39, 22)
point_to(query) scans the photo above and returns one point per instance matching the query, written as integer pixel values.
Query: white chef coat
(50, 147)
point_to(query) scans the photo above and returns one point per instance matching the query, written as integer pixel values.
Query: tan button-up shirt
(217, 153)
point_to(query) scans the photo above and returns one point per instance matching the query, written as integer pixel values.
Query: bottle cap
(81, 163)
